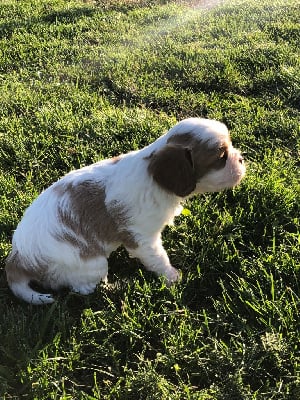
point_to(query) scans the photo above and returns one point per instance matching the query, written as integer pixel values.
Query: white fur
(148, 208)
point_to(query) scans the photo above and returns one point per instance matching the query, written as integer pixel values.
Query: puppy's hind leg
(90, 273)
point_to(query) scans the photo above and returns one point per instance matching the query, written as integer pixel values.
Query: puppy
(68, 232)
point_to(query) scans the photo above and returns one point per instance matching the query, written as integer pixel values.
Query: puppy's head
(197, 157)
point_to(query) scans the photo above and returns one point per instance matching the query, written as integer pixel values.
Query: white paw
(178, 210)
(172, 275)
(88, 288)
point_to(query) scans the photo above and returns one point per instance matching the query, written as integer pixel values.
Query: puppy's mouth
(227, 178)
(234, 180)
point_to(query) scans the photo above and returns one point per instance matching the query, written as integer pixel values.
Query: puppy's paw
(172, 275)
(84, 289)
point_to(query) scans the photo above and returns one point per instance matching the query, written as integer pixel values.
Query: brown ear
(172, 168)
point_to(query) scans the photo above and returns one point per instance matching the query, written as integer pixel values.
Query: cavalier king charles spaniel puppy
(69, 231)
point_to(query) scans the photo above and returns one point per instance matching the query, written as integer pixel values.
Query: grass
(85, 80)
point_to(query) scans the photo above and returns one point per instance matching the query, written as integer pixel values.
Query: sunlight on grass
(86, 80)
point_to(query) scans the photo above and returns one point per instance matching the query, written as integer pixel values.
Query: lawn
(86, 80)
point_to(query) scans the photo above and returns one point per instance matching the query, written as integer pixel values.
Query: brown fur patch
(205, 156)
(89, 222)
(184, 160)
(172, 168)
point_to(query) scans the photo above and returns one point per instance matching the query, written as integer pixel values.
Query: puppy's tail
(19, 280)
(26, 293)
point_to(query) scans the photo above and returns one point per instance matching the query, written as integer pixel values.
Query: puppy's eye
(224, 155)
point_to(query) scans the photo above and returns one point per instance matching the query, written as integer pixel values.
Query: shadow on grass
(69, 16)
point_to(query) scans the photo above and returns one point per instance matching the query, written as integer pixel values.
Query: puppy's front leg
(155, 259)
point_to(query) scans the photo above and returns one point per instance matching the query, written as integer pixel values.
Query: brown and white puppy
(68, 232)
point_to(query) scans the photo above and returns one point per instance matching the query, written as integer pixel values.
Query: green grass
(85, 80)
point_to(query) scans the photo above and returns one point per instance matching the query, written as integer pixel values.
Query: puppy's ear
(172, 168)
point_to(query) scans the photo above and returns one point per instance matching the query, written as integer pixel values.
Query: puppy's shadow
(121, 265)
